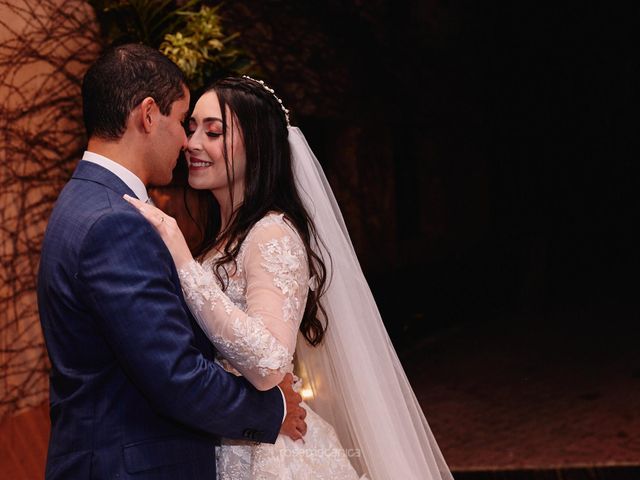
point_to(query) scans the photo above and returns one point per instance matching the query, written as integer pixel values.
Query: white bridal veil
(355, 379)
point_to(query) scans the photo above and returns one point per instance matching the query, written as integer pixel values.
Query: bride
(276, 282)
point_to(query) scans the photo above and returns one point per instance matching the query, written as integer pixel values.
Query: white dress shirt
(135, 184)
(124, 174)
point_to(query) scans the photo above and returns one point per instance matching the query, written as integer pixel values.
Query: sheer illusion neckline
(218, 251)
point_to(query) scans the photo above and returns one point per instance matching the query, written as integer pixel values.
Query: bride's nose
(193, 144)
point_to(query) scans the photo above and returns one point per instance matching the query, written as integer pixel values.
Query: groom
(134, 389)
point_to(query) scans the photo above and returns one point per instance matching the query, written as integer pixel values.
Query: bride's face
(205, 152)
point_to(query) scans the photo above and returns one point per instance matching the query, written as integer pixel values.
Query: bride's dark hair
(269, 186)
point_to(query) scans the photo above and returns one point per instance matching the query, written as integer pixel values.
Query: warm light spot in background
(306, 393)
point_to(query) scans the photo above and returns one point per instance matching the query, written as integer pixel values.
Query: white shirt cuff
(284, 404)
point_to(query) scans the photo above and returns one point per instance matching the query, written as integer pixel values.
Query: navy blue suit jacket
(134, 391)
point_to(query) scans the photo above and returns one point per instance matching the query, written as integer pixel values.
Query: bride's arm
(259, 343)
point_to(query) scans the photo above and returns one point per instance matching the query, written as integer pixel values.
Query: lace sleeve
(260, 342)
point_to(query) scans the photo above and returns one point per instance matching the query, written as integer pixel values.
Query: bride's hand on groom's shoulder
(294, 425)
(168, 229)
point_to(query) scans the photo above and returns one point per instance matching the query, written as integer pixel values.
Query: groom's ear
(148, 114)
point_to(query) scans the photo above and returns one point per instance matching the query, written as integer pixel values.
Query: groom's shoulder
(81, 197)
(83, 204)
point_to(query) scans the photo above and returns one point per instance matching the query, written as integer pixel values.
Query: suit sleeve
(126, 273)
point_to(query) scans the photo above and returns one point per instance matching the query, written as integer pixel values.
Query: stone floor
(549, 392)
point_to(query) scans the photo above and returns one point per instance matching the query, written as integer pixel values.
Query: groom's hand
(294, 425)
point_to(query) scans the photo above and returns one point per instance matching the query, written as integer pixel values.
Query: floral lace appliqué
(283, 258)
(199, 287)
(255, 347)
(251, 344)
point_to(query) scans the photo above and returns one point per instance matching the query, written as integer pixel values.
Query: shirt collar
(124, 174)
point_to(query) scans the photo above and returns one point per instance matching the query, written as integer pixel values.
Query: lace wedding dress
(254, 326)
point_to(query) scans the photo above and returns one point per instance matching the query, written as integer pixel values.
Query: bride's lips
(199, 164)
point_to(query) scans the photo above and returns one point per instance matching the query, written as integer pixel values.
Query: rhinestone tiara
(272, 92)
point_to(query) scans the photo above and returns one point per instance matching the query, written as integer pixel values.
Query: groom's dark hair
(119, 80)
